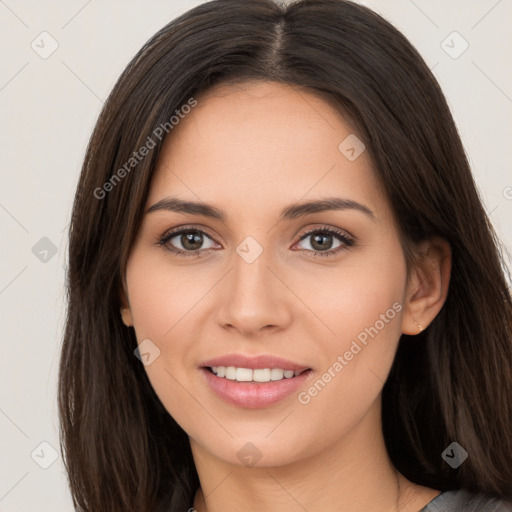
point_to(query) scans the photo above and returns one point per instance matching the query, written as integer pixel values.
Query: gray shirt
(461, 500)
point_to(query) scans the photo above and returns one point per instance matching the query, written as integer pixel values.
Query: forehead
(261, 143)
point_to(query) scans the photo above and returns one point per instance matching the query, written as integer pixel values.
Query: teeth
(276, 374)
(243, 375)
(261, 375)
(257, 375)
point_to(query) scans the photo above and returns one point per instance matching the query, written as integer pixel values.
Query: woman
(284, 292)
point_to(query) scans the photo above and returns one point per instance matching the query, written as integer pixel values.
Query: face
(322, 289)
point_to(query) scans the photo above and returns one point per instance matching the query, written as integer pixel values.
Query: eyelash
(347, 241)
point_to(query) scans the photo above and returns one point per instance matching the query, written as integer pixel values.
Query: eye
(186, 241)
(322, 241)
(190, 241)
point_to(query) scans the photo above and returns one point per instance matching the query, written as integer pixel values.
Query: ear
(427, 287)
(126, 313)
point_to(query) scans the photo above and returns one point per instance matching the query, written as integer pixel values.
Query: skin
(251, 150)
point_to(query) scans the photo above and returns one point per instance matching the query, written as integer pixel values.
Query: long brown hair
(122, 449)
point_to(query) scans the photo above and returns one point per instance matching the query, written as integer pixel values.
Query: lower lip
(254, 395)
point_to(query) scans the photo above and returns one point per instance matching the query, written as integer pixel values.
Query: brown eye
(191, 241)
(187, 242)
(322, 241)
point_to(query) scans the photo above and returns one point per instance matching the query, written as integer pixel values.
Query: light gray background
(48, 109)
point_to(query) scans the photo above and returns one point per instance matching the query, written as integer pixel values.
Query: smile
(239, 386)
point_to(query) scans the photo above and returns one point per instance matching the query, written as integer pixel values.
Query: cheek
(162, 305)
(160, 296)
(165, 303)
(366, 290)
(363, 313)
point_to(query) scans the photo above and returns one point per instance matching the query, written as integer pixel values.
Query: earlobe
(126, 315)
(420, 327)
(428, 286)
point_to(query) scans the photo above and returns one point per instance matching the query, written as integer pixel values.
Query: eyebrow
(289, 213)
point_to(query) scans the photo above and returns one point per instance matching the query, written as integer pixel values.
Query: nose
(256, 298)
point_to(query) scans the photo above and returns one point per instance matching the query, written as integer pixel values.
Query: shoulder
(462, 500)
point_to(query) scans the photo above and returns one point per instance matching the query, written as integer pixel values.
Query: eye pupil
(192, 240)
(318, 241)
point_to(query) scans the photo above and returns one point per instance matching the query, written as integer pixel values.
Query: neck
(354, 474)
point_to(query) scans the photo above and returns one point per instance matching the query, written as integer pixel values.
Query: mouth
(256, 383)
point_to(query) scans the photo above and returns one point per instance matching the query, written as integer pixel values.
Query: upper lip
(254, 362)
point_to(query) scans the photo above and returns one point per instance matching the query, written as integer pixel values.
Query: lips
(251, 394)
